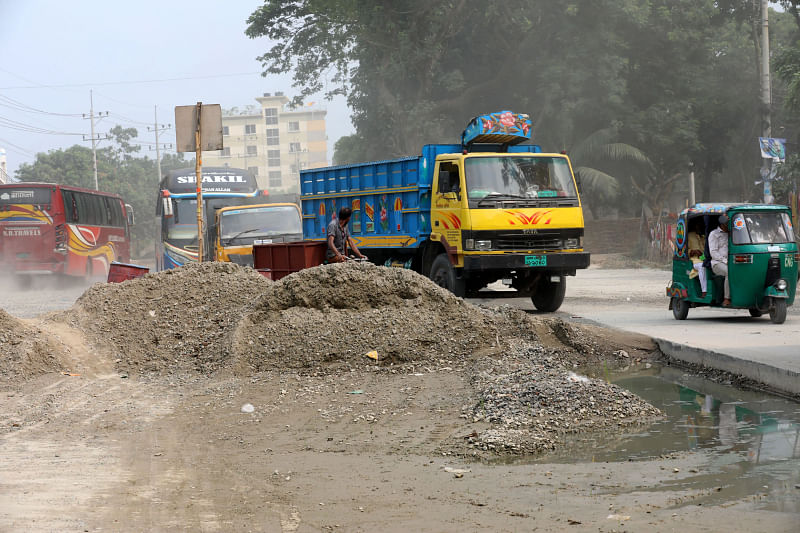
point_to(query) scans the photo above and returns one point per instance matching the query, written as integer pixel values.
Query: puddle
(749, 442)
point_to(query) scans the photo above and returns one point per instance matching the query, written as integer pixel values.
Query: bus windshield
(182, 226)
(243, 226)
(518, 177)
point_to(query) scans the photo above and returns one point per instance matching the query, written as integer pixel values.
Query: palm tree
(596, 150)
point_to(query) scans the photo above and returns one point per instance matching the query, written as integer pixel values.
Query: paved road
(634, 300)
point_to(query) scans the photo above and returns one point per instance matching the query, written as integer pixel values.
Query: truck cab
(240, 227)
(497, 214)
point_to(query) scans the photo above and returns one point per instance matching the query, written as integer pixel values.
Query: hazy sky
(54, 52)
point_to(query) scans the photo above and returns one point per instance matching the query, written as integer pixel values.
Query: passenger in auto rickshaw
(697, 254)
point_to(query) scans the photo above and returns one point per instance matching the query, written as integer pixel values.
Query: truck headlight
(483, 245)
(572, 243)
(781, 284)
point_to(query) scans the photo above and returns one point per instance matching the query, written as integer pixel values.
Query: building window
(294, 147)
(249, 129)
(272, 137)
(253, 170)
(274, 158)
(252, 150)
(271, 115)
(274, 178)
(225, 152)
(226, 130)
(293, 126)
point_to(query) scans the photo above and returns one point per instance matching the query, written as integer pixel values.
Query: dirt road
(364, 448)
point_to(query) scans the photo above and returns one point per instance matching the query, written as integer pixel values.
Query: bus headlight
(781, 284)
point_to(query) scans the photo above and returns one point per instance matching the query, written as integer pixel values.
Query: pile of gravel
(535, 402)
(171, 320)
(25, 351)
(340, 312)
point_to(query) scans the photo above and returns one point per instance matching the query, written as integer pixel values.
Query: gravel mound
(171, 320)
(340, 312)
(24, 351)
(534, 403)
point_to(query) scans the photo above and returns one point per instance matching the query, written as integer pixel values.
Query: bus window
(70, 207)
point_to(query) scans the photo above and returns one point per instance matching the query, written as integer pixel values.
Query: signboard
(210, 127)
(772, 148)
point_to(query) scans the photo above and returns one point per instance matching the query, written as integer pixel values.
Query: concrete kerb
(780, 380)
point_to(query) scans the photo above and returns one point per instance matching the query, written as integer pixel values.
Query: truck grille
(529, 242)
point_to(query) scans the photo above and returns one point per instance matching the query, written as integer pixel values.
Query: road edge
(780, 380)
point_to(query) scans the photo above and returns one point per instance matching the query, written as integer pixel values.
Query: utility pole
(766, 98)
(156, 128)
(93, 138)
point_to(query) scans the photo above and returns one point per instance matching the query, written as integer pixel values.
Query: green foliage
(349, 149)
(118, 171)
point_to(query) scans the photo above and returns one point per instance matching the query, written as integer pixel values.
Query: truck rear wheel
(444, 275)
(547, 295)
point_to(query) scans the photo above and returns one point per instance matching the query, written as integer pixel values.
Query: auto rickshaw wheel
(680, 308)
(755, 312)
(777, 312)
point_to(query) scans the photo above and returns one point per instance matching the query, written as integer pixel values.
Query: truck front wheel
(549, 295)
(444, 275)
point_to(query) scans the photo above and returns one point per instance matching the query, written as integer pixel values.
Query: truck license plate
(536, 260)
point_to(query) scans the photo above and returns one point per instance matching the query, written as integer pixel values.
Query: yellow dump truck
(238, 228)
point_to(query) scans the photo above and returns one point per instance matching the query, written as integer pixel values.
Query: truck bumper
(555, 262)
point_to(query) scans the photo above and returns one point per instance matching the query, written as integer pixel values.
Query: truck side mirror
(129, 212)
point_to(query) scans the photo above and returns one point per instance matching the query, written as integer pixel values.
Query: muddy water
(748, 442)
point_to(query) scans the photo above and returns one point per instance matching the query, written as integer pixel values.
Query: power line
(132, 82)
(20, 106)
(20, 126)
(18, 149)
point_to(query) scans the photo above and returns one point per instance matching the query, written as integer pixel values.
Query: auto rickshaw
(762, 260)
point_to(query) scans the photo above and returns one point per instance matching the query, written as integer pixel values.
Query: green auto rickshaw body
(762, 257)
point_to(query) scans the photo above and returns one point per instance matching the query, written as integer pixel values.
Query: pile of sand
(170, 320)
(25, 351)
(341, 312)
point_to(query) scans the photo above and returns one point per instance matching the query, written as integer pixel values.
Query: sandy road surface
(103, 452)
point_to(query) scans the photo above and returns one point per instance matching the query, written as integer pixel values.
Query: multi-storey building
(274, 143)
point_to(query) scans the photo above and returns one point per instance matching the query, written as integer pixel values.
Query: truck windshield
(761, 228)
(243, 226)
(518, 177)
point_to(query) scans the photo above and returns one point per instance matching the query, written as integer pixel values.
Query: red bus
(58, 229)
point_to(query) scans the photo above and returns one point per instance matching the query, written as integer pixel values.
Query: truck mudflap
(550, 261)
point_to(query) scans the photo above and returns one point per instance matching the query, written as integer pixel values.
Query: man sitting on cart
(718, 248)
(339, 238)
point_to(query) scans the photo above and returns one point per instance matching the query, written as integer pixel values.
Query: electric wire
(130, 82)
